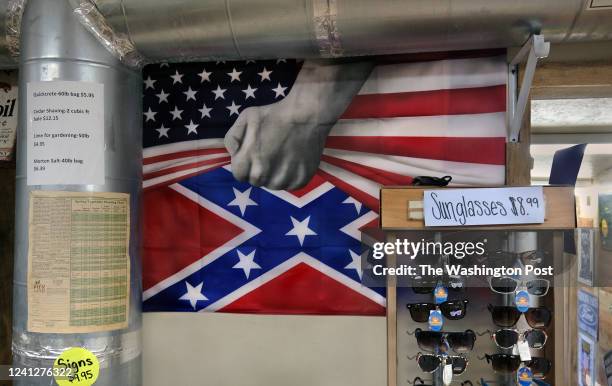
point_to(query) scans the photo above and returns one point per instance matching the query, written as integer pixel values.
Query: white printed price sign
(484, 206)
(65, 133)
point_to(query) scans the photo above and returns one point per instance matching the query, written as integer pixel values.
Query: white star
(150, 115)
(249, 92)
(191, 128)
(235, 75)
(177, 78)
(351, 200)
(219, 92)
(355, 263)
(193, 294)
(220, 61)
(265, 74)
(163, 131)
(205, 111)
(205, 76)
(242, 200)
(190, 94)
(246, 263)
(163, 96)
(149, 83)
(233, 109)
(176, 113)
(279, 90)
(300, 229)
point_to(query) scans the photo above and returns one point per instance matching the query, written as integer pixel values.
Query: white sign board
(486, 206)
(65, 133)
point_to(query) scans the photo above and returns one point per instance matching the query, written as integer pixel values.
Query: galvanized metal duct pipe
(56, 47)
(186, 30)
(183, 30)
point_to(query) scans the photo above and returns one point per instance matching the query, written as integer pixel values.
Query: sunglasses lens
(505, 316)
(424, 284)
(503, 363)
(454, 310)
(459, 365)
(506, 338)
(535, 338)
(455, 283)
(428, 340)
(420, 311)
(461, 342)
(538, 317)
(537, 287)
(539, 366)
(423, 289)
(428, 363)
(504, 285)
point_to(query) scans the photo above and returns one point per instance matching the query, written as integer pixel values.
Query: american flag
(212, 243)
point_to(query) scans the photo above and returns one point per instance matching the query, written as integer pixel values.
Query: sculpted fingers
(235, 135)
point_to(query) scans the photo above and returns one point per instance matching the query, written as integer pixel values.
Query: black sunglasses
(507, 363)
(507, 338)
(507, 316)
(430, 363)
(459, 342)
(451, 309)
(509, 285)
(422, 382)
(426, 285)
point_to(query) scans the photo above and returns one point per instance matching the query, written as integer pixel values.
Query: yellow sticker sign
(82, 364)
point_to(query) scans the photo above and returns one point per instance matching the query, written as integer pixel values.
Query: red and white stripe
(444, 117)
(437, 118)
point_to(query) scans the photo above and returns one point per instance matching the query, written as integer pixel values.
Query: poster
(605, 220)
(585, 256)
(607, 362)
(586, 361)
(78, 262)
(588, 313)
(8, 114)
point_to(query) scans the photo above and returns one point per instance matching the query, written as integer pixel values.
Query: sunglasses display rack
(484, 337)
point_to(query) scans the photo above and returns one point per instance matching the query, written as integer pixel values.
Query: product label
(8, 114)
(65, 133)
(81, 364)
(485, 206)
(436, 321)
(78, 262)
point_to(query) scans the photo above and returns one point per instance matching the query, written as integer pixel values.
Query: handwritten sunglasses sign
(486, 206)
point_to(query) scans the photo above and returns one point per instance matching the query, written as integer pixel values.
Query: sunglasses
(459, 342)
(507, 338)
(507, 316)
(422, 382)
(507, 363)
(508, 285)
(426, 285)
(430, 363)
(451, 309)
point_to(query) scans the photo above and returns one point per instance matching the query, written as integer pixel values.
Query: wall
(7, 214)
(249, 350)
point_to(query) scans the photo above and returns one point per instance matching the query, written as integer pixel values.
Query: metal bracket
(535, 48)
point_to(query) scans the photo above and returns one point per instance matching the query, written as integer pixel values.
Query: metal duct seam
(326, 29)
(119, 45)
(14, 12)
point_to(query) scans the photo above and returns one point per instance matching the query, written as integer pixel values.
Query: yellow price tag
(76, 366)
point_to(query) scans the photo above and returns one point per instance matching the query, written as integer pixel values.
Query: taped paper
(78, 262)
(65, 133)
